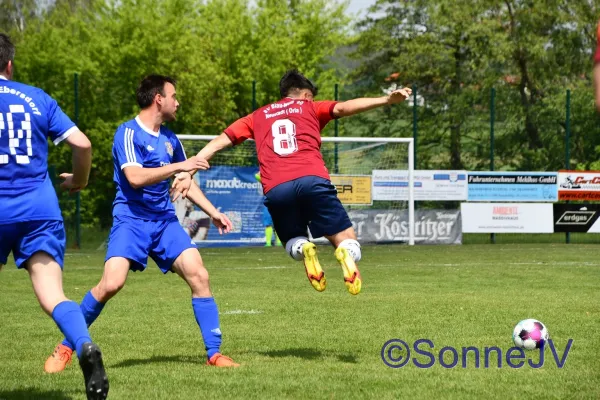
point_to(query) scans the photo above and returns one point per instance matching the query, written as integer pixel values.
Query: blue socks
(90, 308)
(71, 323)
(207, 317)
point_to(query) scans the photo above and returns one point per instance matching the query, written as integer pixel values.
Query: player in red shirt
(597, 69)
(296, 184)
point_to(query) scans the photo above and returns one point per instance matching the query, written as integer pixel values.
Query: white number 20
(284, 137)
(16, 116)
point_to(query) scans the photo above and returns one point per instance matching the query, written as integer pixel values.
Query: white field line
(239, 312)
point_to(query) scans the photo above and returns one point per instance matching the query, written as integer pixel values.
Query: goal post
(381, 211)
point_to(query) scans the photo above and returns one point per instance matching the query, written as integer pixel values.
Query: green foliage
(455, 51)
(214, 49)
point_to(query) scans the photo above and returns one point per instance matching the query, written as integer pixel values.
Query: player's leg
(348, 254)
(46, 278)
(173, 250)
(113, 280)
(268, 236)
(128, 246)
(329, 219)
(41, 252)
(290, 223)
(268, 224)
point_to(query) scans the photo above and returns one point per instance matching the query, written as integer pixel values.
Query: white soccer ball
(530, 334)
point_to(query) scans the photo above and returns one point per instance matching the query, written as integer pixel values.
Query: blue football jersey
(28, 117)
(137, 145)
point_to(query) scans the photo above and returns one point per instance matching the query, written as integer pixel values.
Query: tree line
(454, 52)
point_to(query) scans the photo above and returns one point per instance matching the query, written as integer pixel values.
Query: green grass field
(294, 342)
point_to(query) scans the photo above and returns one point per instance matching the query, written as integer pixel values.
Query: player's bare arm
(139, 177)
(220, 220)
(357, 106)
(214, 146)
(82, 162)
(180, 184)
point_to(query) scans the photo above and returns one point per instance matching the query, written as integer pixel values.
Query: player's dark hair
(149, 87)
(7, 51)
(293, 81)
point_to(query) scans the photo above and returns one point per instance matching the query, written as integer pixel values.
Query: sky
(360, 6)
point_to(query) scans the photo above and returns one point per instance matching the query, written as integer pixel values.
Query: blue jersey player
(146, 154)
(31, 224)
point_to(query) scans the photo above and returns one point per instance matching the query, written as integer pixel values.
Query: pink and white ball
(530, 334)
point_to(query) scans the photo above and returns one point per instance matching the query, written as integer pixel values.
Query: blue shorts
(136, 239)
(25, 239)
(266, 217)
(310, 202)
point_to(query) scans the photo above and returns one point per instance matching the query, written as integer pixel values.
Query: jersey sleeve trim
(65, 135)
(240, 130)
(230, 136)
(131, 164)
(331, 107)
(128, 145)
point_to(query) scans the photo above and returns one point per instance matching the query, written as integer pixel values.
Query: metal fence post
(492, 122)
(336, 127)
(253, 95)
(415, 125)
(78, 195)
(568, 145)
(415, 131)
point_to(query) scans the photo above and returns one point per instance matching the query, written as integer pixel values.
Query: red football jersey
(288, 139)
(597, 55)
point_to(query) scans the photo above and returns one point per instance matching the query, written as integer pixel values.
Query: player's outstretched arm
(139, 177)
(181, 184)
(214, 146)
(82, 162)
(218, 218)
(356, 106)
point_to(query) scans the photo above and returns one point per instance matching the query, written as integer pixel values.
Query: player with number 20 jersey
(31, 225)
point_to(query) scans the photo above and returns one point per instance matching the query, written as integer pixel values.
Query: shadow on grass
(158, 359)
(310, 354)
(33, 394)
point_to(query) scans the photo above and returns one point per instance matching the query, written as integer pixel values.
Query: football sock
(269, 234)
(294, 247)
(207, 317)
(71, 323)
(90, 308)
(353, 248)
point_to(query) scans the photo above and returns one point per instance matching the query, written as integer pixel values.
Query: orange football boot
(219, 360)
(59, 359)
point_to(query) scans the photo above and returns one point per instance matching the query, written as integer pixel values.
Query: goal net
(373, 177)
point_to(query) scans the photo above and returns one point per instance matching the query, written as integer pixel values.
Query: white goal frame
(411, 167)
